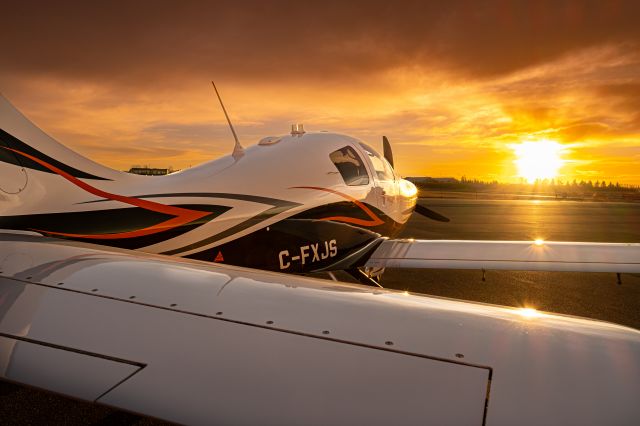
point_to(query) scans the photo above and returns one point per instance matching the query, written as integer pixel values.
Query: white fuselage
(192, 212)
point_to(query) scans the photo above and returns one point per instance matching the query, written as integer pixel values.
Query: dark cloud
(452, 83)
(622, 95)
(158, 41)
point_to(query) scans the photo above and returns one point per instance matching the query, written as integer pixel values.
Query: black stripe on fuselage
(278, 206)
(6, 156)
(306, 228)
(296, 246)
(255, 220)
(224, 195)
(112, 221)
(389, 227)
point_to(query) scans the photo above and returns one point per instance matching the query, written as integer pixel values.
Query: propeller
(424, 211)
(388, 153)
(373, 276)
(427, 212)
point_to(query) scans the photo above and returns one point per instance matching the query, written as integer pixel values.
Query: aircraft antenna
(238, 150)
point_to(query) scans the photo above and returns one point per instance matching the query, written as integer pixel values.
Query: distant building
(148, 171)
(419, 179)
(425, 180)
(445, 180)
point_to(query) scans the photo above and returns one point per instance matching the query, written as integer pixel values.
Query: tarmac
(591, 295)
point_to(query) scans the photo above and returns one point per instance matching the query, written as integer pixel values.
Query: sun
(538, 159)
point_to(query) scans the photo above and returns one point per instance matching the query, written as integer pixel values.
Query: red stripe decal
(375, 220)
(182, 216)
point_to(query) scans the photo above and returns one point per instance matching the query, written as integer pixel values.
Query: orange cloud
(452, 85)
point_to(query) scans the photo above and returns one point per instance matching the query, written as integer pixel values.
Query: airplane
(184, 297)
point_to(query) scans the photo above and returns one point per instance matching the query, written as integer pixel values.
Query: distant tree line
(557, 184)
(557, 188)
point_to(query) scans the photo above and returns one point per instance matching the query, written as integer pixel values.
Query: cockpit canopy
(383, 169)
(352, 167)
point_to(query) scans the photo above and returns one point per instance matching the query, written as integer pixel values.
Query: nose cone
(408, 190)
(408, 198)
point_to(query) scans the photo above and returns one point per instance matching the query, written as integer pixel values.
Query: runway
(592, 295)
(589, 295)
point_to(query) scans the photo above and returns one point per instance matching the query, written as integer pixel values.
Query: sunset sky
(456, 86)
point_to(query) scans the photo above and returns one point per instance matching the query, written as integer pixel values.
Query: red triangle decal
(219, 257)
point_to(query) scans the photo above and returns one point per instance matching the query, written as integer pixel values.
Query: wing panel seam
(140, 365)
(265, 327)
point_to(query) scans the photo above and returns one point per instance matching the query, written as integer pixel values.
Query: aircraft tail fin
(24, 148)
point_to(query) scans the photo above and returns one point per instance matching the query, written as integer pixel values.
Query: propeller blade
(430, 214)
(426, 212)
(388, 153)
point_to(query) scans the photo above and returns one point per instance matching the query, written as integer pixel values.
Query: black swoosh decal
(243, 197)
(279, 206)
(233, 230)
(111, 221)
(9, 141)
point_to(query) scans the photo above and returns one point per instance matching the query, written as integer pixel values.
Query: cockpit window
(380, 164)
(350, 166)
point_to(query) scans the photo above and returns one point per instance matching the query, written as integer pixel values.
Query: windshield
(350, 166)
(382, 168)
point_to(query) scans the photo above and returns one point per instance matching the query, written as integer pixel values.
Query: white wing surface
(509, 255)
(198, 343)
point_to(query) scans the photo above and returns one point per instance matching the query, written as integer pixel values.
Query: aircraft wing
(198, 343)
(508, 255)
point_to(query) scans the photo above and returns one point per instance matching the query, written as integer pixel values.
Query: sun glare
(538, 160)
(528, 313)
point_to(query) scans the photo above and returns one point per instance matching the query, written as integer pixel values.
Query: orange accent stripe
(182, 216)
(375, 220)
